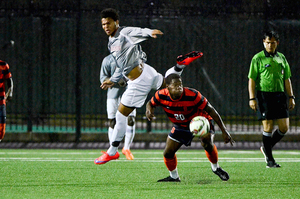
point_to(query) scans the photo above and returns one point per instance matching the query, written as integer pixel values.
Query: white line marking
(148, 152)
(148, 159)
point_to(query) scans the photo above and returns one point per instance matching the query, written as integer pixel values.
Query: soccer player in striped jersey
(5, 78)
(181, 105)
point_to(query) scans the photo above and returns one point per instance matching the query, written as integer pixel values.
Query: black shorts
(184, 136)
(272, 105)
(2, 114)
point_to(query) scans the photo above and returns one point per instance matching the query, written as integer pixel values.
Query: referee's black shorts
(272, 105)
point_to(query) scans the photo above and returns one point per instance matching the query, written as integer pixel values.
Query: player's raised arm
(156, 32)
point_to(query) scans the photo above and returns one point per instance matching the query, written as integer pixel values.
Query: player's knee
(206, 143)
(169, 154)
(112, 123)
(284, 129)
(131, 120)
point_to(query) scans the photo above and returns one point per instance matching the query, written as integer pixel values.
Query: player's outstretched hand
(227, 137)
(156, 32)
(107, 84)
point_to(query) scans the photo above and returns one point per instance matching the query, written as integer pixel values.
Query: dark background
(59, 47)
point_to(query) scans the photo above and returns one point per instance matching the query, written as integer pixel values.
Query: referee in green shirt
(269, 76)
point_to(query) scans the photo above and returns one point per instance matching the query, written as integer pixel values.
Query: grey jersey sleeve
(106, 69)
(126, 50)
(136, 35)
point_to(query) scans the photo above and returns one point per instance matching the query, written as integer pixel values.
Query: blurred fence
(58, 50)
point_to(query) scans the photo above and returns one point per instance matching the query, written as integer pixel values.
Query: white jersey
(125, 48)
(108, 68)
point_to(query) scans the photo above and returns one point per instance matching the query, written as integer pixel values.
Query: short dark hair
(172, 76)
(110, 13)
(270, 34)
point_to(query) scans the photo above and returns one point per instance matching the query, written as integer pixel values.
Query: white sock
(174, 173)
(172, 70)
(180, 66)
(118, 132)
(110, 132)
(112, 150)
(129, 135)
(214, 166)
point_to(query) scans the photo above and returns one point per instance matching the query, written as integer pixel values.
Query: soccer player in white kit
(114, 94)
(130, 59)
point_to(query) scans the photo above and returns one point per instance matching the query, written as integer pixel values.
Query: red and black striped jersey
(183, 110)
(4, 74)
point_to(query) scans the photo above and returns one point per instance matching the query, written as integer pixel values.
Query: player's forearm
(149, 107)
(288, 87)
(251, 88)
(216, 116)
(10, 85)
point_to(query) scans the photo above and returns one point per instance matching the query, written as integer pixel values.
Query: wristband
(252, 99)
(293, 97)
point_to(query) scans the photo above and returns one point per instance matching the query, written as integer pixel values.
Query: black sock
(267, 140)
(277, 136)
(177, 69)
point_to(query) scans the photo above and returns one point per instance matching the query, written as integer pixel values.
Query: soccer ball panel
(199, 126)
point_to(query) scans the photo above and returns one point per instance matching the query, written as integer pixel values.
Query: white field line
(183, 152)
(146, 159)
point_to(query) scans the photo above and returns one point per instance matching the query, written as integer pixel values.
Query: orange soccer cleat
(128, 154)
(106, 158)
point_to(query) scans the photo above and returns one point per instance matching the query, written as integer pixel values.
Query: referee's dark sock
(267, 141)
(276, 137)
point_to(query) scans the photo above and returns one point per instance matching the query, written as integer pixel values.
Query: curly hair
(110, 13)
(172, 76)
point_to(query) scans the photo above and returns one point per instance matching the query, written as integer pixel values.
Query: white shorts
(112, 107)
(137, 90)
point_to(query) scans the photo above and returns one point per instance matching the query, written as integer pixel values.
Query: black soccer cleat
(188, 58)
(169, 179)
(272, 164)
(222, 174)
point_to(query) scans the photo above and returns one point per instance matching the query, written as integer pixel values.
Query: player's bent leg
(170, 161)
(283, 127)
(268, 142)
(118, 135)
(211, 153)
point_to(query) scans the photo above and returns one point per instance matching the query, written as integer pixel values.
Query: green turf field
(72, 174)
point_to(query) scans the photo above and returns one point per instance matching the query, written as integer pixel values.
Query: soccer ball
(199, 126)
